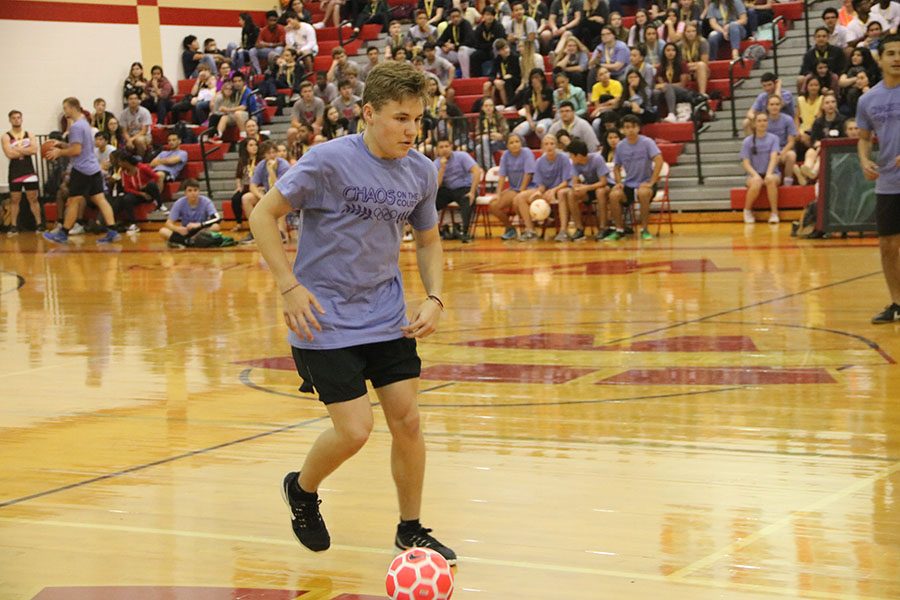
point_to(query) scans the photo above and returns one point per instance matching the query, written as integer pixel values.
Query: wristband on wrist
(437, 301)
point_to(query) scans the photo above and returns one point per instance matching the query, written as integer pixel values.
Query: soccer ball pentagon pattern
(419, 574)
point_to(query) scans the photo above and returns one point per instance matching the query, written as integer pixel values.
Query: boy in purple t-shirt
(552, 172)
(169, 163)
(458, 177)
(343, 300)
(642, 161)
(591, 172)
(879, 113)
(759, 157)
(86, 178)
(187, 215)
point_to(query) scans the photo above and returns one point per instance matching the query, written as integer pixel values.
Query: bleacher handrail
(731, 65)
(205, 135)
(776, 40)
(696, 118)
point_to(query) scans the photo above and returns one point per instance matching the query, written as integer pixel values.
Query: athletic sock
(299, 493)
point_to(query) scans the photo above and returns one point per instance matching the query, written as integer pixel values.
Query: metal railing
(699, 127)
(776, 40)
(731, 86)
(203, 138)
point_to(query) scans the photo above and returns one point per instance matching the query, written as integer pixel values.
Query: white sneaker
(77, 230)
(319, 25)
(749, 219)
(133, 228)
(773, 219)
(670, 118)
(788, 181)
(561, 237)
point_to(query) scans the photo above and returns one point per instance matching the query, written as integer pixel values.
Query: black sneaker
(421, 538)
(306, 520)
(891, 314)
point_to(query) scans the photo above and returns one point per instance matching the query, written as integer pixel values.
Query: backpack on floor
(210, 239)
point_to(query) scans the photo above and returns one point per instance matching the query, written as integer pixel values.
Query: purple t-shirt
(782, 127)
(551, 174)
(80, 133)
(261, 173)
(787, 105)
(354, 206)
(172, 170)
(515, 167)
(619, 54)
(878, 111)
(593, 170)
(765, 146)
(458, 173)
(184, 212)
(636, 159)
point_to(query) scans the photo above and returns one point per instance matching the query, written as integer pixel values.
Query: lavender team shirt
(551, 174)
(782, 127)
(636, 159)
(787, 104)
(354, 206)
(458, 172)
(86, 162)
(878, 112)
(172, 170)
(593, 170)
(184, 212)
(765, 146)
(515, 167)
(261, 173)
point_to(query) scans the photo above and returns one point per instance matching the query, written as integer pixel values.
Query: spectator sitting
(339, 65)
(116, 135)
(187, 215)
(103, 150)
(458, 178)
(101, 116)
(653, 47)
(615, 24)
(334, 125)
(372, 55)
(611, 54)
(211, 49)
(604, 95)
(227, 111)
(860, 87)
(469, 13)
(440, 66)
(809, 106)
(552, 173)
(158, 94)
(434, 10)
(575, 126)
(637, 64)
(595, 13)
(695, 53)
(537, 102)
(637, 33)
(299, 141)
(821, 50)
(201, 98)
(249, 34)
(859, 25)
(888, 12)
(635, 99)
(267, 172)
(396, 39)
(831, 124)
(672, 28)
(872, 40)
(640, 158)
(846, 13)
(244, 94)
(356, 84)
(517, 169)
(521, 29)
(296, 7)
(224, 73)
(138, 183)
(505, 76)
(308, 109)
(247, 158)
(191, 57)
(490, 131)
(135, 82)
(728, 21)
(771, 86)
(284, 73)
(566, 92)
(331, 11)
(300, 37)
(589, 187)
(785, 130)
(136, 122)
(456, 42)
(760, 159)
(838, 35)
(324, 89)
(571, 57)
(373, 11)
(671, 83)
(826, 78)
(486, 34)
(347, 103)
(565, 17)
(252, 132)
(539, 12)
(419, 34)
(169, 163)
(269, 43)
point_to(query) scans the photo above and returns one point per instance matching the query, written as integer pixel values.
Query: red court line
(720, 376)
(67, 12)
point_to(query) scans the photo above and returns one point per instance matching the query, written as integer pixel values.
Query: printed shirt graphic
(879, 112)
(354, 206)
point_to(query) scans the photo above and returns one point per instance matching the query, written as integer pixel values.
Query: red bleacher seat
(50, 212)
(721, 86)
(628, 21)
(326, 47)
(793, 11)
(465, 102)
(227, 212)
(328, 34)
(369, 32)
(671, 132)
(192, 170)
(718, 69)
(670, 152)
(216, 151)
(793, 196)
(185, 86)
(143, 210)
(472, 85)
(322, 61)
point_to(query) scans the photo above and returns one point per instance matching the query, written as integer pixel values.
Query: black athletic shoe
(891, 314)
(306, 520)
(421, 538)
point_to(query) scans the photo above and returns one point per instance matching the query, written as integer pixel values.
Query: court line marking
(740, 308)
(782, 522)
(531, 566)
(20, 283)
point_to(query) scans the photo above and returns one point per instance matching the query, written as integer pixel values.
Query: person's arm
(501, 183)
(864, 149)
(172, 225)
(773, 163)
(657, 169)
(10, 152)
(526, 180)
(430, 259)
(790, 144)
(749, 168)
(617, 175)
(442, 166)
(299, 303)
(477, 173)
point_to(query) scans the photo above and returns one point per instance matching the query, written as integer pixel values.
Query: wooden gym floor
(708, 415)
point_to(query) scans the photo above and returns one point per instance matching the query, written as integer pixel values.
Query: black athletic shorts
(887, 214)
(18, 186)
(85, 185)
(630, 193)
(339, 375)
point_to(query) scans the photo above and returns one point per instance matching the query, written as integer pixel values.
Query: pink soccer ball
(419, 574)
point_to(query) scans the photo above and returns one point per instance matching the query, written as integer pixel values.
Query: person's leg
(790, 159)
(222, 125)
(352, 423)
(522, 202)
(15, 199)
(398, 401)
(702, 74)
(771, 182)
(616, 201)
(645, 197)
(106, 210)
(562, 203)
(249, 203)
(140, 146)
(500, 206)
(72, 213)
(715, 38)
(166, 233)
(464, 56)
(602, 209)
(575, 201)
(754, 186)
(736, 34)
(460, 195)
(254, 59)
(237, 207)
(35, 205)
(890, 264)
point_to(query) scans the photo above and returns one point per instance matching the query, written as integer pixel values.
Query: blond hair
(393, 80)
